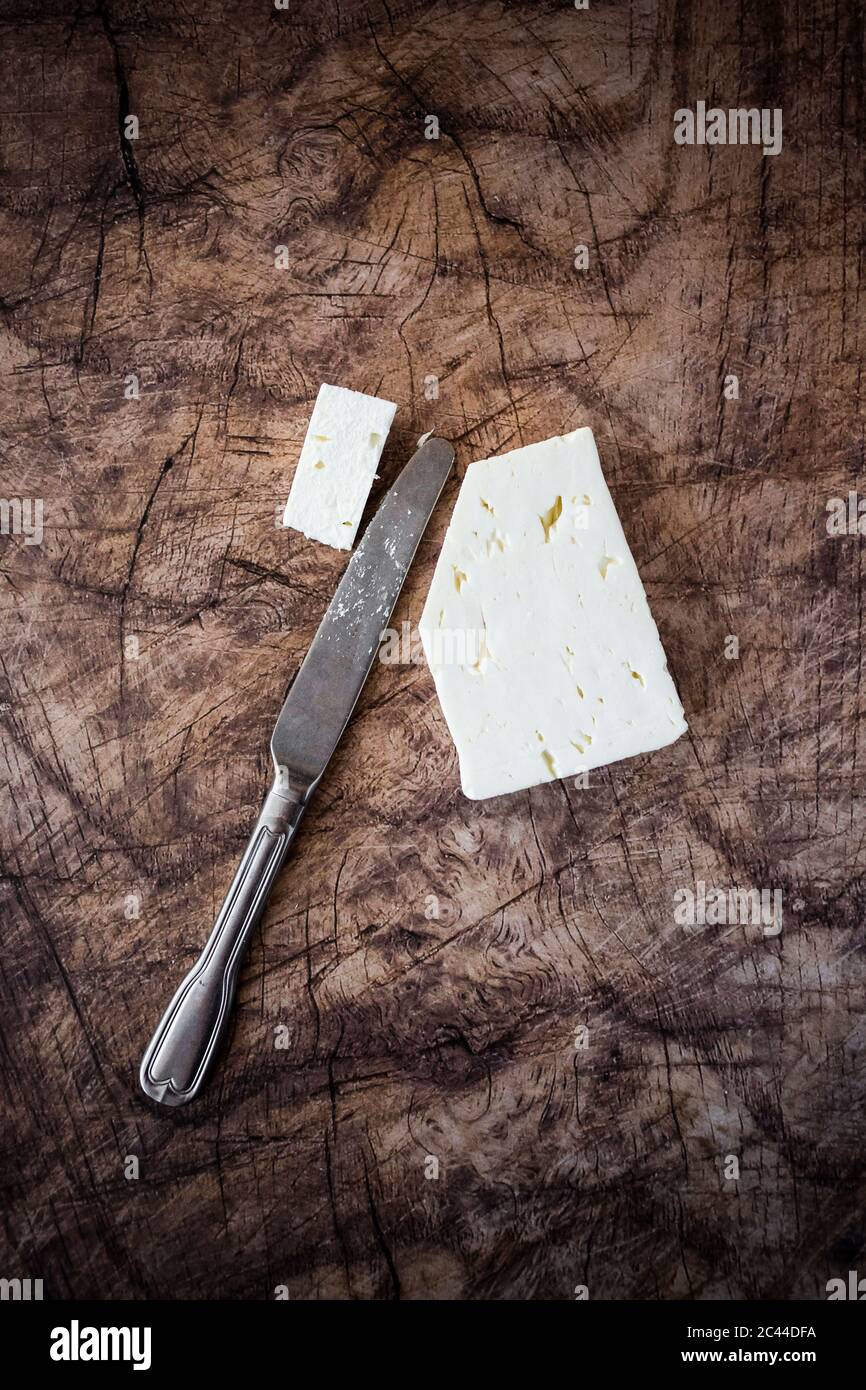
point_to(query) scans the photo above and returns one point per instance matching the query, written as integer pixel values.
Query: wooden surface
(149, 640)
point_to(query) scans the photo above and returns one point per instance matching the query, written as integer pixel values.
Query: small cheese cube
(345, 439)
(537, 630)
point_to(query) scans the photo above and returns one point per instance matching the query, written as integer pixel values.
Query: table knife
(310, 725)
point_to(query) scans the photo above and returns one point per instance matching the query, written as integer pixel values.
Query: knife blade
(311, 723)
(326, 688)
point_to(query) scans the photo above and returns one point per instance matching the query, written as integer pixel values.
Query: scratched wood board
(475, 1055)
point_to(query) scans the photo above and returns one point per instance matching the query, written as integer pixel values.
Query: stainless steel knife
(311, 724)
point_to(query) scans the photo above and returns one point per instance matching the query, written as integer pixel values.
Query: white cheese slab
(338, 462)
(537, 630)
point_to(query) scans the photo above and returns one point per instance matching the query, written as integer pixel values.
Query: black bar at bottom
(267, 1339)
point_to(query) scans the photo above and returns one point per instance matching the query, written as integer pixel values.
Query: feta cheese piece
(345, 439)
(537, 630)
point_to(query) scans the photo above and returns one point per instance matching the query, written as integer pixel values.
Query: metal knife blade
(315, 713)
(331, 677)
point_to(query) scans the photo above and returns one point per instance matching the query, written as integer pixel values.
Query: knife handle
(180, 1053)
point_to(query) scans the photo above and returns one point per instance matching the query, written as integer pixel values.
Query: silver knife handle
(179, 1054)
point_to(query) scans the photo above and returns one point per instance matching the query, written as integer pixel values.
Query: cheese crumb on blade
(545, 655)
(338, 462)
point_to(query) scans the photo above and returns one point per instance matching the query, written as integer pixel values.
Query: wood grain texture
(148, 641)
